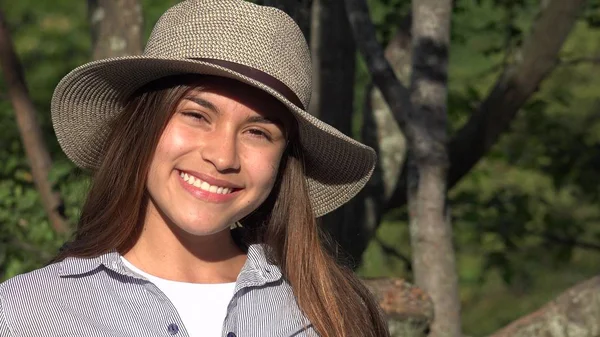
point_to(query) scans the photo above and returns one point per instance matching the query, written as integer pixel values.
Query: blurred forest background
(525, 218)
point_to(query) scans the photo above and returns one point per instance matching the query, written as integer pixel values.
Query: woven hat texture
(257, 45)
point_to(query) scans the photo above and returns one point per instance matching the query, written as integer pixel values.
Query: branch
(396, 95)
(513, 88)
(573, 313)
(29, 129)
(511, 91)
(578, 61)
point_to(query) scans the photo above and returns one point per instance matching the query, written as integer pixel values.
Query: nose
(220, 149)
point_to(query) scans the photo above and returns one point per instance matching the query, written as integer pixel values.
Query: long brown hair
(333, 299)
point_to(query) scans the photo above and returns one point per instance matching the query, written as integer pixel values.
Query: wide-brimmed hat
(257, 45)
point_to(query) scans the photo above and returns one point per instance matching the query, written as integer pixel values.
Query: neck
(167, 252)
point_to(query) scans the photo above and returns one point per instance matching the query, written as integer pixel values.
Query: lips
(203, 185)
(207, 188)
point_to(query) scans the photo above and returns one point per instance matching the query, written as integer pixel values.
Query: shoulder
(34, 283)
(54, 282)
(273, 307)
(29, 288)
(18, 295)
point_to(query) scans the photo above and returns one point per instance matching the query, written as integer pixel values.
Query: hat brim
(337, 167)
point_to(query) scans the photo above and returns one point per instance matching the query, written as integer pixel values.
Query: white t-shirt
(202, 307)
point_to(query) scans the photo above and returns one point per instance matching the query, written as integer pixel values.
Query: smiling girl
(207, 129)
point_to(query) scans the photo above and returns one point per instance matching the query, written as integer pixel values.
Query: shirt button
(230, 334)
(173, 328)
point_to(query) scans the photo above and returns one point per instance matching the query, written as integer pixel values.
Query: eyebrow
(262, 119)
(203, 103)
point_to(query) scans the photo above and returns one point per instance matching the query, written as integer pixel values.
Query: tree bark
(390, 142)
(433, 257)
(539, 56)
(29, 129)
(574, 313)
(116, 28)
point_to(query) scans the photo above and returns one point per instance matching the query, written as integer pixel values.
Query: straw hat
(257, 45)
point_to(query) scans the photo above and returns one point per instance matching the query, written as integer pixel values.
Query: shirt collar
(258, 269)
(75, 266)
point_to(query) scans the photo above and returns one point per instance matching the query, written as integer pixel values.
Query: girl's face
(218, 157)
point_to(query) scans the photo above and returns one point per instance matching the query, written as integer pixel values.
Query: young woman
(208, 177)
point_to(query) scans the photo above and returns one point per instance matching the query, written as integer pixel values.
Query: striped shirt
(102, 297)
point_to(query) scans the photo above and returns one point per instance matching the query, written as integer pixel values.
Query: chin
(199, 230)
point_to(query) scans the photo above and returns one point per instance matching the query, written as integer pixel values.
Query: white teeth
(190, 179)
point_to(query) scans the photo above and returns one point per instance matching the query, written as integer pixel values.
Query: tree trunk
(433, 257)
(333, 50)
(390, 140)
(381, 132)
(116, 28)
(29, 129)
(575, 313)
(538, 58)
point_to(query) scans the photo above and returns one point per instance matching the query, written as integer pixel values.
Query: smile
(203, 185)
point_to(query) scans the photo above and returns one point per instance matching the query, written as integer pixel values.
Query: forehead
(216, 89)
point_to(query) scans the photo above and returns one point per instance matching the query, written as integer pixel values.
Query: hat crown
(259, 37)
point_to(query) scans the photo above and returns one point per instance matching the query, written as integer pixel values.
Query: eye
(259, 134)
(195, 115)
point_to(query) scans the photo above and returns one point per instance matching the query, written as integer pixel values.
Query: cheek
(170, 146)
(172, 143)
(263, 168)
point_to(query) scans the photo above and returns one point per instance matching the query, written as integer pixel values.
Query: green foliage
(50, 41)
(51, 38)
(526, 219)
(386, 15)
